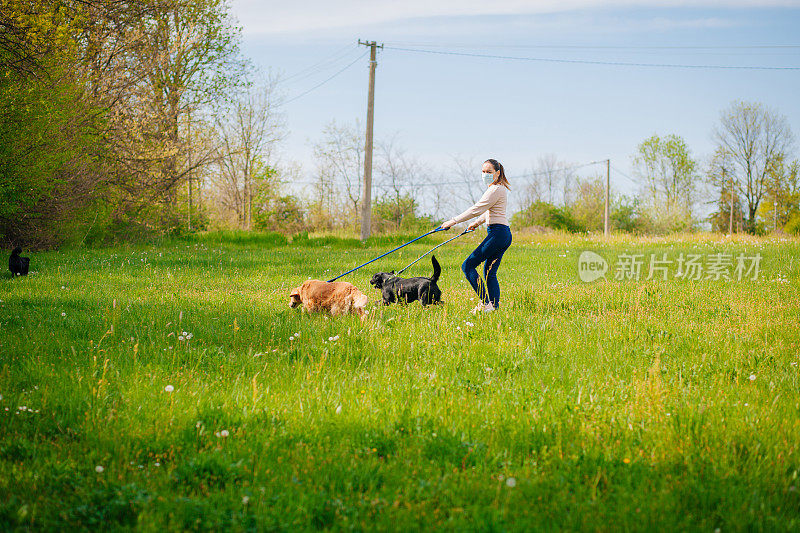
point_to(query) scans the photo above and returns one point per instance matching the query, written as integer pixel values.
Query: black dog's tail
(436, 269)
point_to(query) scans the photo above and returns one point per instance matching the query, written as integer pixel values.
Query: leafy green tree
(48, 130)
(668, 174)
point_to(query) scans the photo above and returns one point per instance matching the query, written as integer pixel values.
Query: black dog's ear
(392, 272)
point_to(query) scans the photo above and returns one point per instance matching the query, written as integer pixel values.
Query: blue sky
(445, 106)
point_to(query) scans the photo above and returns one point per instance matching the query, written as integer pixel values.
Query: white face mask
(488, 177)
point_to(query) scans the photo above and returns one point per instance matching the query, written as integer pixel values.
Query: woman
(493, 206)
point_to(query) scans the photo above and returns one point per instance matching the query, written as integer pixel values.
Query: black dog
(395, 289)
(18, 265)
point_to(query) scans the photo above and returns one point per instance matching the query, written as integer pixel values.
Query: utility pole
(608, 186)
(730, 200)
(366, 194)
(775, 210)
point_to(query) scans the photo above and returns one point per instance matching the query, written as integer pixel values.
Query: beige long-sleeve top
(491, 207)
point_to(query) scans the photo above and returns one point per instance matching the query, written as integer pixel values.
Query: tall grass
(171, 386)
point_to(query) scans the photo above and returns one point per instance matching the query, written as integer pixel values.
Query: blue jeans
(489, 252)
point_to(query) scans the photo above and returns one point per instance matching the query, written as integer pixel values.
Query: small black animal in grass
(395, 289)
(18, 265)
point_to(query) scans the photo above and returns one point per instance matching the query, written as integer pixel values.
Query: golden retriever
(338, 298)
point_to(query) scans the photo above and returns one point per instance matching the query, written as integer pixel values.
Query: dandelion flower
(63, 314)
(752, 377)
(158, 464)
(180, 337)
(338, 409)
(245, 500)
(511, 482)
(99, 469)
(169, 388)
(224, 432)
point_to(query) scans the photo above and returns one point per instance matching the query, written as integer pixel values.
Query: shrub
(792, 227)
(547, 215)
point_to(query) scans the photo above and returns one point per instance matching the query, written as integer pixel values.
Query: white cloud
(265, 18)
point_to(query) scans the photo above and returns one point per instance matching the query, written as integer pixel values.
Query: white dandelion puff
(169, 388)
(511, 482)
(224, 433)
(99, 469)
(752, 377)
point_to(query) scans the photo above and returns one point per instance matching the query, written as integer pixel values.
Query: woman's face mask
(488, 178)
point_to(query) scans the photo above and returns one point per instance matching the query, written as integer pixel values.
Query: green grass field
(170, 386)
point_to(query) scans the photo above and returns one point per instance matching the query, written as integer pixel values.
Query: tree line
(748, 184)
(120, 119)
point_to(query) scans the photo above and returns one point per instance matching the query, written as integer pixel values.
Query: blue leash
(387, 253)
(432, 249)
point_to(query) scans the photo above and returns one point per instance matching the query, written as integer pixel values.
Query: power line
(466, 181)
(624, 175)
(321, 65)
(598, 47)
(326, 80)
(587, 61)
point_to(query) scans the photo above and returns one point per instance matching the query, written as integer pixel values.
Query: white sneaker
(483, 308)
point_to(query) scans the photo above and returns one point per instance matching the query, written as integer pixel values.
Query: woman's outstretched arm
(489, 198)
